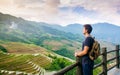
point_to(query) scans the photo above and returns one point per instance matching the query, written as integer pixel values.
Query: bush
(3, 49)
(59, 63)
(98, 60)
(65, 52)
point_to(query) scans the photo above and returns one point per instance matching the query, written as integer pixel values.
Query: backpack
(95, 51)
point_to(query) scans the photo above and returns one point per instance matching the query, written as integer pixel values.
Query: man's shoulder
(90, 38)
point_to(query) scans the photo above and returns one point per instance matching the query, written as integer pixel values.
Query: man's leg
(87, 68)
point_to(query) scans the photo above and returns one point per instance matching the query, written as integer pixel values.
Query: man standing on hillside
(87, 63)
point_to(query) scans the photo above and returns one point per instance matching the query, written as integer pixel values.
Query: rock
(19, 73)
(11, 72)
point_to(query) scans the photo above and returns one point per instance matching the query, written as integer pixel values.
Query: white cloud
(49, 10)
(107, 10)
(65, 2)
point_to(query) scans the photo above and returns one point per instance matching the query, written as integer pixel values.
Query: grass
(97, 71)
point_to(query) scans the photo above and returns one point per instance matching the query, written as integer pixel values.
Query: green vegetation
(98, 60)
(97, 71)
(65, 52)
(59, 63)
(3, 49)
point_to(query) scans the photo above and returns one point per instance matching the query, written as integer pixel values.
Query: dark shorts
(87, 66)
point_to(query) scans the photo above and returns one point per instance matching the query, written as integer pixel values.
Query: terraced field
(27, 64)
(18, 58)
(22, 48)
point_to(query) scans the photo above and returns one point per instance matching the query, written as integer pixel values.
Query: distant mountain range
(102, 31)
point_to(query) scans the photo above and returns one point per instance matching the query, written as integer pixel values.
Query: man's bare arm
(82, 53)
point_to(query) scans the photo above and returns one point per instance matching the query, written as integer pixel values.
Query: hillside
(19, 30)
(30, 64)
(22, 48)
(29, 59)
(27, 29)
(11, 64)
(33, 48)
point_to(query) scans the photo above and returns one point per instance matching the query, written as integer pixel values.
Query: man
(87, 63)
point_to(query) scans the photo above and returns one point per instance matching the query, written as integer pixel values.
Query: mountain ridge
(102, 31)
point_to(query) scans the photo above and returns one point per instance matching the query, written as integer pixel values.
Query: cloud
(5, 2)
(28, 2)
(64, 11)
(51, 6)
(106, 10)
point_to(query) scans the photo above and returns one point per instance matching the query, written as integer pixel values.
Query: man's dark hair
(88, 27)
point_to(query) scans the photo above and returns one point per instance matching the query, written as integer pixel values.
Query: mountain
(15, 29)
(107, 32)
(102, 31)
(10, 24)
(72, 28)
(33, 47)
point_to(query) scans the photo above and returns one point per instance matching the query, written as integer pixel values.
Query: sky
(64, 12)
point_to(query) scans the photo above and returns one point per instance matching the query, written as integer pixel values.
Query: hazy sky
(64, 11)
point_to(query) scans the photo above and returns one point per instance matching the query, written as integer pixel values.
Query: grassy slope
(63, 47)
(20, 54)
(22, 48)
(36, 33)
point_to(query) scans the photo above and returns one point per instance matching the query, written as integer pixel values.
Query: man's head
(87, 29)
